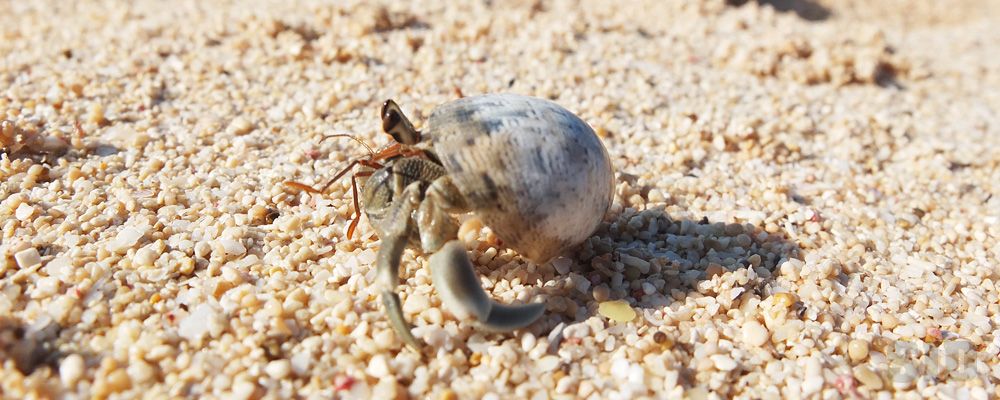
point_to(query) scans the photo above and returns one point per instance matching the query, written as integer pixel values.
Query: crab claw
(460, 291)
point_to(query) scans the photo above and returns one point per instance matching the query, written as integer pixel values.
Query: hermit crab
(533, 172)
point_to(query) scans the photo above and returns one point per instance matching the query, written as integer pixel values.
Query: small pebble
(96, 115)
(378, 366)
(385, 339)
(957, 347)
(127, 238)
(290, 224)
(812, 385)
(278, 369)
(889, 321)
(648, 288)
(656, 196)
(562, 265)
(45, 287)
(145, 257)
(846, 386)
(620, 368)
(618, 310)
(601, 293)
(586, 389)
(564, 385)
(343, 382)
(448, 394)
(733, 229)
(233, 232)
(636, 262)
(547, 363)
(71, 369)
(744, 241)
(198, 323)
(367, 256)
(239, 126)
(386, 388)
(469, 230)
(116, 381)
(232, 247)
(905, 377)
(27, 258)
(933, 335)
(300, 363)
(202, 249)
(724, 362)
(528, 342)
(785, 299)
(697, 393)
(140, 371)
(24, 212)
(755, 334)
(273, 308)
(858, 349)
(243, 390)
(436, 337)
(577, 330)
(714, 269)
(636, 375)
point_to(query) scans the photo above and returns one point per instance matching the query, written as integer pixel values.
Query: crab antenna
(356, 161)
(351, 137)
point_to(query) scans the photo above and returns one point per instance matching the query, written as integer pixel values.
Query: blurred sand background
(807, 201)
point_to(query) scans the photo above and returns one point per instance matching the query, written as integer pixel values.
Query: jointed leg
(394, 241)
(388, 275)
(433, 219)
(459, 289)
(454, 277)
(436, 226)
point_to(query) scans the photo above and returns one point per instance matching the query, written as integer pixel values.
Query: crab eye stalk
(395, 123)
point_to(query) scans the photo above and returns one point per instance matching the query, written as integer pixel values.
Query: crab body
(532, 171)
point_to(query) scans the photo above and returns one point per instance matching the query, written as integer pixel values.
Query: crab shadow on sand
(656, 264)
(805, 9)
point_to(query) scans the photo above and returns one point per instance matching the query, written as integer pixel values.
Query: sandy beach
(807, 200)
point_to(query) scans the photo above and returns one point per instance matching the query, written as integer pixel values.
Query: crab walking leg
(394, 242)
(436, 226)
(388, 275)
(458, 286)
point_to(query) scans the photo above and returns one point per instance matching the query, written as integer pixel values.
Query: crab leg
(458, 286)
(388, 275)
(394, 242)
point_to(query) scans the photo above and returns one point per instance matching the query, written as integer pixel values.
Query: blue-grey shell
(534, 172)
